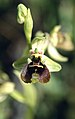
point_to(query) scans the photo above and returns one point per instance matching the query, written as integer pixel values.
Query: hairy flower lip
(43, 74)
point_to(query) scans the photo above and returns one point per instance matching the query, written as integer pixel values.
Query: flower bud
(28, 26)
(22, 12)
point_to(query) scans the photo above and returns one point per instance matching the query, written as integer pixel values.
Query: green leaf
(18, 64)
(52, 51)
(51, 65)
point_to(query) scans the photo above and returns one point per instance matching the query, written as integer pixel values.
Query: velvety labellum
(35, 71)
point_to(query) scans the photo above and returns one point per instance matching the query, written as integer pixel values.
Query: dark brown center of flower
(35, 67)
(35, 59)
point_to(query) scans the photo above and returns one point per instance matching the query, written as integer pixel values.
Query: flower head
(38, 68)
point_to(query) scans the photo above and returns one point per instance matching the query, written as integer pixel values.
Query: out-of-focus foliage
(56, 39)
(6, 87)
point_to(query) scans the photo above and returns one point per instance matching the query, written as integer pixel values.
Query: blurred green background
(56, 99)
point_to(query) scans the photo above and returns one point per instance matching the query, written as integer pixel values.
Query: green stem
(29, 114)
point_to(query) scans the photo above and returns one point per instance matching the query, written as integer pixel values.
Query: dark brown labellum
(35, 70)
(41, 70)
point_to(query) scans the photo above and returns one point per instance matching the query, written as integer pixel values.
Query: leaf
(18, 64)
(51, 65)
(52, 51)
(40, 43)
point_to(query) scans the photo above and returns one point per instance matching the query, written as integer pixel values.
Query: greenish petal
(51, 65)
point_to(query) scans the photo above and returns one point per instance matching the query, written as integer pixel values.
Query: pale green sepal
(52, 51)
(18, 64)
(51, 65)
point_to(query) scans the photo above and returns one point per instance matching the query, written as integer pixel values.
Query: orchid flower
(34, 66)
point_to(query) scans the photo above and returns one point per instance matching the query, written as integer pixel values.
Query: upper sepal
(40, 43)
